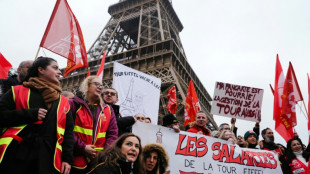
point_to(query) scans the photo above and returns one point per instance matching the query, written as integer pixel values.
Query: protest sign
(137, 92)
(237, 101)
(191, 153)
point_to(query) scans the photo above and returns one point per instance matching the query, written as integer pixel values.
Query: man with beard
(110, 96)
(22, 72)
(268, 144)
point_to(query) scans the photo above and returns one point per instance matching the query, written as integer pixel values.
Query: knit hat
(248, 133)
(169, 120)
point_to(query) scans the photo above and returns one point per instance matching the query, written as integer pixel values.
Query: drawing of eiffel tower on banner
(144, 35)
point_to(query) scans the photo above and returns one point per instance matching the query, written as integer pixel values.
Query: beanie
(169, 120)
(248, 133)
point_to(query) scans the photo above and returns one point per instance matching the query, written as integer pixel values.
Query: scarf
(300, 157)
(49, 91)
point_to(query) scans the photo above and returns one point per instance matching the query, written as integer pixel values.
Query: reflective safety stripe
(13, 91)
(58, 146)
(60, 130)
(82, 130)
(99, 149)
(100, 135)
(5, 140)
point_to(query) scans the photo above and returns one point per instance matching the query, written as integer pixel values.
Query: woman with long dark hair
(296, 158)
(123, 157)
(38, 127)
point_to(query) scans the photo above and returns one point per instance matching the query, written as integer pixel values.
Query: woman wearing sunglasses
(228, 136)
(95, 126)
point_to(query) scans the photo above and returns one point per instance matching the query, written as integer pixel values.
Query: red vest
(84, 129)
(298, 167)
(21, 97)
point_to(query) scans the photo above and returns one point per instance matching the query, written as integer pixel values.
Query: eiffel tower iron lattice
(144, 35)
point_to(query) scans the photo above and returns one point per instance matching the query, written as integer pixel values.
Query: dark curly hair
(42, 62)
(289, 152)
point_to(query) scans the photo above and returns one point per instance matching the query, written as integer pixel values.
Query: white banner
(191, 153)
(137, 92)
(237, 101)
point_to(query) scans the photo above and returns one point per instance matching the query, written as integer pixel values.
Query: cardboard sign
(137, 92)
(237, 101)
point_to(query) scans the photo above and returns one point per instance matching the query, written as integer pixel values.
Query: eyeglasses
(229, 135)
(108, 92)
(140, 118)
(97, 84)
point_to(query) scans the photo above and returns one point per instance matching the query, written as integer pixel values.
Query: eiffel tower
(144, 35)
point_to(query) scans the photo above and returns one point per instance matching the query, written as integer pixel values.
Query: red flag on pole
(286, 133)
(88, 73)
(5, 67)
(64, 37)
(191, 104)
(291, 95)
(172, 100)
(308, 108)
(100, 70)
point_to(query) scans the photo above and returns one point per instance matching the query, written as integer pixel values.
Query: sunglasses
(111, 93)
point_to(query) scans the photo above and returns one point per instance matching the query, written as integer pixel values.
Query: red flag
(172, 100)
(100, 70)
(5, 67)
(308, 107)
(191, 104)
(291, 95)
(286, 133)
(64, 37)
(88, 73)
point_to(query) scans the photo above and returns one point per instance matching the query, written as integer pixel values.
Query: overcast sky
(228, 41)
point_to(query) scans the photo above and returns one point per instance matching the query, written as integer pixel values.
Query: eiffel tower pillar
(144, 35)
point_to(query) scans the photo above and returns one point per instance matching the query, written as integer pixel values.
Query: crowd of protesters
(47, 130)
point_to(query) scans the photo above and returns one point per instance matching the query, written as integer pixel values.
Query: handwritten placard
(237, 101)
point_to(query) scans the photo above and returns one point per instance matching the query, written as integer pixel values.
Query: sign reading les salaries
(191, 153)
(237, 101)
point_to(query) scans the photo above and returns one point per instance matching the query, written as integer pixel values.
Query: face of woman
(130, 148)
(228, 135)
(252, 139)
(296, 146)
(95, 88)
(151, 161)
(51, 73)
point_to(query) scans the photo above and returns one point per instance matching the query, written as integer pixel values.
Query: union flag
(63, 36)
(192, 105)
(172, 100)
(280, 123)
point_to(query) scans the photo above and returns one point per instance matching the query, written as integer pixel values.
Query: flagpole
(37, 54)
(305, 107)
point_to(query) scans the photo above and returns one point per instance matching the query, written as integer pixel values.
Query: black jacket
(125, 168)
(39, 140)
(5, 84)
(124, 124)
